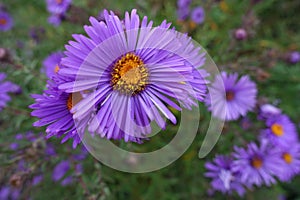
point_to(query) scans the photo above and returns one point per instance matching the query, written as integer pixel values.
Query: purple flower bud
(294, 57)
(240, 34)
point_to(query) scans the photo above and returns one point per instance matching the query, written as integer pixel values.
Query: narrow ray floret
(230, 97)
(53, 110)
(135, 71)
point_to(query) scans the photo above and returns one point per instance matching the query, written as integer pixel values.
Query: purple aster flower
(6, 22)
(55, 19)
(53, 109)
(51, 64)
(256, 165)
(14, 146)
(268, 110)
(198, 15)
(5, 88)
(60, 170)
(67, 181)
(231, 97)
(132, 71)
(290, 161)
(281, 131)
(58, 7)
(224, 179)
(19, 136)
(240, 34)
(294, 57)
(37, 179)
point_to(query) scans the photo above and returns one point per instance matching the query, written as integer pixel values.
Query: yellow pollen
(256, 162)
(3, 21)
(229, 95)
(288, 158)
(277, 129)
(73, 99)
(129, 74)
(56, 69)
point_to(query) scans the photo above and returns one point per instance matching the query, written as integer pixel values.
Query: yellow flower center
(277, 129)
(56, 69)
(3, 21)
(229, 95)
(129, 75)
(73, 99)
(256, 162)
(288, 158)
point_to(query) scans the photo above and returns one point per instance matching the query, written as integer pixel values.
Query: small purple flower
(53, 109)
(183, 9)
(51, 64)
(240, 34)
(230, 98)
(49, 150)
(256, 165)
(198, 15)
(281, 131)
(55, 20)
(19, 136)
(5, 88)
(14, 146)
(268, 110)
(4, 193)
(224, 179)
(290, 161)
(294, 57)
(6, 21)
(37, 179)
(58, 7)
(60, 170)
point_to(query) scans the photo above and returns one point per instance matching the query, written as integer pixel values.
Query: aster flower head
(256, 164)
(55, 19)
(198, 15)
(294, 57)
(5, 88)
(6, 21)
(281, 131)
(223, 178)
(132, 71)
(289, 161)
(183, 9)
(240, 34)
(58, 7)
(51, 64)
(231, 97)
(53, 109)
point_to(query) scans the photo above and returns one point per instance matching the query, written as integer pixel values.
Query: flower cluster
(276, 157)
(5, 88)
(197, 15)
(57, 9)
(126, 67)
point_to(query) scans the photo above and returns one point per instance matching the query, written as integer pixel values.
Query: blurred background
(260, 38)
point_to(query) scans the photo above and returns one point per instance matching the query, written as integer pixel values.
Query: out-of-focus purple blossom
(246, 123)
(6, 21)
(268, 110)
(19, 136)
(55, 20)
(281, 131)
(183, 9)
(78, 168)
(198, 15)
(224, 179)
(60, 170)
(5, 88)
(58, 6)
(294, 57)
(14, 146)
(36, 33)
(50, 151)
(51, 64)
(37, 179)
(240, 34)
(67, 181)
(4, 193)
(82, 155)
